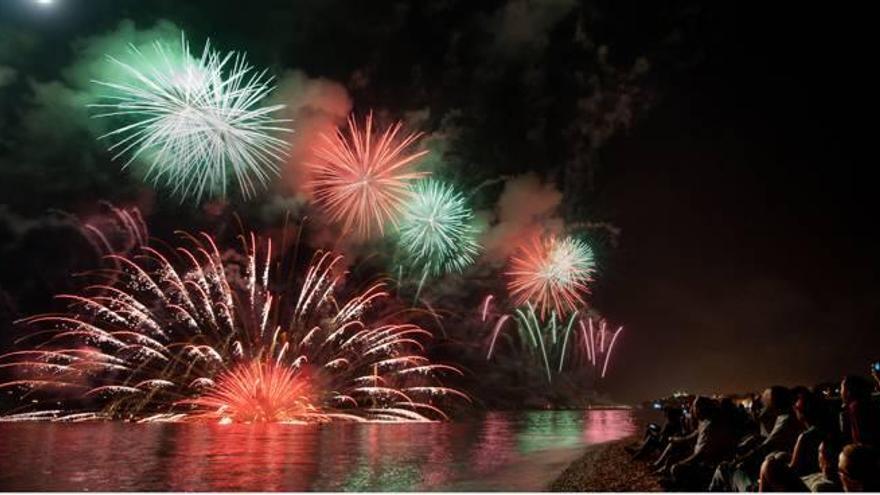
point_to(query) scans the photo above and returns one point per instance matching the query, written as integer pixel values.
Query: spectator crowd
(786, 439)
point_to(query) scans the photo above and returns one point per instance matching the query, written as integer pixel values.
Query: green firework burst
(436, 232)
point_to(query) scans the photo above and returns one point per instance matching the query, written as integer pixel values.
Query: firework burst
(194, 121)
(361, 178)
(436, 234)
(552, 274)
(194, 335)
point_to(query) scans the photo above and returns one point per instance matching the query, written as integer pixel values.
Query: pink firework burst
(361, 177)
(552, 274)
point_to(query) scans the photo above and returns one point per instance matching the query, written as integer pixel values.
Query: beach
(607, 468)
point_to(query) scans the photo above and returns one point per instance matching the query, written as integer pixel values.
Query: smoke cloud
(316, 106)
(527, 207)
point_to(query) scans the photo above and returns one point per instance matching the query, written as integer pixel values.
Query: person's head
(854, 388)
(777, 400)
(859, 468)
(672, 414)
(829, 453)
(703, 408)
(776, 476)
(808, 409)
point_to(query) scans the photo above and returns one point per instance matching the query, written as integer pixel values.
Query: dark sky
(750, 217)
(748, 247)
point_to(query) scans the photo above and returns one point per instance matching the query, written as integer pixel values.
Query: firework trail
(558, 344)
(195, 121)
(194, 335)
(362, 178)
(551, 274)
(116, 230)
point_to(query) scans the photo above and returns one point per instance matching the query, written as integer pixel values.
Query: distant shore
(607, 467)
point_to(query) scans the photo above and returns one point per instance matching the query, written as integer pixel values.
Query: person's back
(808, 411)
(859, 468)
(777, 476)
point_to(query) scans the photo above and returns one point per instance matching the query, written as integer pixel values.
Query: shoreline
(607, 467)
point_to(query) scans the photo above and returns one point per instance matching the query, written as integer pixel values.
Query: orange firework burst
(259, 392)
(361, 178)
(552, 274)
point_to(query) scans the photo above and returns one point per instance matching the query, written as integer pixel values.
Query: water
(501, 451)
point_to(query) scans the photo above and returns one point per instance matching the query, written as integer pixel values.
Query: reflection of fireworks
(194, 120)
(361, 179)
(552, 274)
(436, 232)
(200, 335)
(557, 344)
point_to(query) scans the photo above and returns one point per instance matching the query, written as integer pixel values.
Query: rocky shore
(607, 468)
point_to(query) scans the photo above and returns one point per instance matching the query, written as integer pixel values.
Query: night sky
(747, 248)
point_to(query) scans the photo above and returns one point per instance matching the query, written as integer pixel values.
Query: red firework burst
(258, 392)
(552, 274)
(361, 177)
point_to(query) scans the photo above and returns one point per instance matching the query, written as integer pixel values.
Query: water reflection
(376, 457)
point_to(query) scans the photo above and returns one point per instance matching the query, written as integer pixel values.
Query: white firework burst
(194, 121)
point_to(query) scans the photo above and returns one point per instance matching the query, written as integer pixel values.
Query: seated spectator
(827, 479)
(859, 468)
(742, 474)
(776, 475)
(656, 437)
(734, 417)
(714, 443)
(809, 412)
(859, 418)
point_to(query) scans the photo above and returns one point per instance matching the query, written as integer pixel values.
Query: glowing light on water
(361, 178)
(194, 121)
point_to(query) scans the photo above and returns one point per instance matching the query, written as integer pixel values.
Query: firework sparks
(559, 344)
(362, 178)
(195, 121)
(198, 335)
(552, 274)
(258, 392)
(436, 234)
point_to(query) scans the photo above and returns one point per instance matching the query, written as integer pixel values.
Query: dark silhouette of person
(776, 475)
(827, 479)
(859, 417)
(656, 437)
(715, 441)
(809, 412)
(741, 475)
(859, 468)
